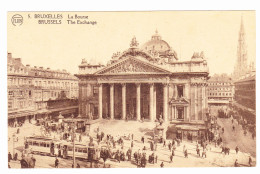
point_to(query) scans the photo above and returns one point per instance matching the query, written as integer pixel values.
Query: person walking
(56, 163)
(34, 161)
(171, 157)
(162, 165)
(236, 163)
(9, 157)
(132, 144)
(186, 153)
(142, 139)
(250, 161)
(237, 149)
(198, 151)
(80, 138)
(204, 154)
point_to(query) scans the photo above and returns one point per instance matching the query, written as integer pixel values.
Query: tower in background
(241, 67)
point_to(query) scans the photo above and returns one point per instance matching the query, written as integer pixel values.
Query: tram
(41, 145)
(51, 147)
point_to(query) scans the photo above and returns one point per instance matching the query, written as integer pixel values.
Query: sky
(63, 46)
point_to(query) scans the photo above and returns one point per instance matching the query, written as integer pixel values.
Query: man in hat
(56, 163)
(250, 161)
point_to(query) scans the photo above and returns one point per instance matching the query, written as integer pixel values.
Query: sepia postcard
(144, 89)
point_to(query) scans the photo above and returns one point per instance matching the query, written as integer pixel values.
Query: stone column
(112, 101)
(165, 102)
(175, 112)
(151, 101)
(175, 91)
(154, 103)
(123, 101)
(100, 101)
(138, 103)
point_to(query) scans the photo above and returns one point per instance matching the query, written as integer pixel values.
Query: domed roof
(156, 44)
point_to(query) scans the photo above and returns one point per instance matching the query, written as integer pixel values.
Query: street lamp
(13, 142)
(73, 136)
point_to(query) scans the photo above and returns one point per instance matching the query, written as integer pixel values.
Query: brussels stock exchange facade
(145, 83)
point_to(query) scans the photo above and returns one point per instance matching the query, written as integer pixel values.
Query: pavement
(122, 128)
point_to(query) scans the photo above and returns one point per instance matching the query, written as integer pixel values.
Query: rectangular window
(180, 91)
(95, 90)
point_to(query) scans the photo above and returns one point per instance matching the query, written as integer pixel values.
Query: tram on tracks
(52, 147)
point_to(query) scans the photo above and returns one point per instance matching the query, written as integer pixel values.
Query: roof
(250, 78)
(156, 44)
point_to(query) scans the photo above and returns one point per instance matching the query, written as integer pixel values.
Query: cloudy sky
(62, 46)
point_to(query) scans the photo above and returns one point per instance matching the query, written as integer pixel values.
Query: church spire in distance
(241, 64)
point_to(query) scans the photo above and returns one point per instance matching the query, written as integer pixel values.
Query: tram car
(42, 145)
(51, 147)
(81, 150)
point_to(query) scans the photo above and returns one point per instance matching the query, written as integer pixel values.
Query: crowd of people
(116, 148)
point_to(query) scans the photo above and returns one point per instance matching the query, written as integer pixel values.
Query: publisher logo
(17, 20)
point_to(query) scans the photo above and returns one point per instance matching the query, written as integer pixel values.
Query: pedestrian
(164, 143)
(132, 144)
(204, 154)
(237, 149)
(186, 153)
(142, 139)
(56, 163)
(222, 129)
(78, 166)
(198, 151)
(171, 157)
(184, 148)
(170, 146)
(80, 138)
(233, 127)
(9, 157)
(156, 158)
(34, 161)
(15, 156)
(162, 165)
(236, 163)
(250, 161)
(173, 152)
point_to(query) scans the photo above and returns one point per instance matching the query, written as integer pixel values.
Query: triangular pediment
(132, 65)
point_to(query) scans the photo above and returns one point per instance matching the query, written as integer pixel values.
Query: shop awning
(17, 114)
(191, 127)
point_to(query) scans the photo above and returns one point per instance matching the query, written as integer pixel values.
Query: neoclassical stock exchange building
(146, 83)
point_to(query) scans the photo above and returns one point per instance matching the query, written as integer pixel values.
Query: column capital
(99, 84)
(111, 84)
(123, 84)
(165, 84)
(151, 84)
(138, 84)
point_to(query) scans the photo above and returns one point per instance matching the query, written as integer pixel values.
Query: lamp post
(73, 134)
(13, 143)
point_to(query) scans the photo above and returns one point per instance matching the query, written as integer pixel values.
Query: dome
(156, 44)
